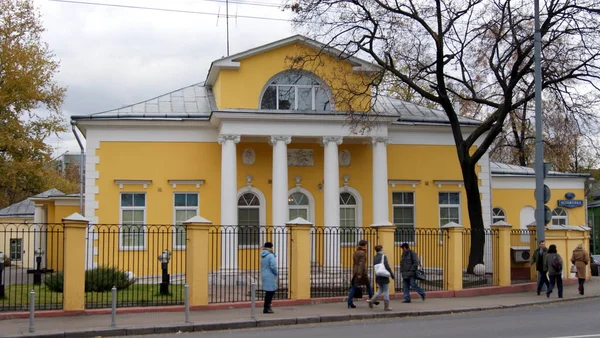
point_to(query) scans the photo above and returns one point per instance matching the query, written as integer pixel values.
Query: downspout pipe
(81, 165)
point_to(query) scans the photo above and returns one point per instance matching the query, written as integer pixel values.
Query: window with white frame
(133, 215)
(449, 203)
(249, 220)
(185, 206)
(498, 215)
(298, 206)
(347, 219)
(559, 217)
(295, 91)
(16, 249)
(403, 204)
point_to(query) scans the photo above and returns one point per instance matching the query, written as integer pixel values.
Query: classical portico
(280, 188)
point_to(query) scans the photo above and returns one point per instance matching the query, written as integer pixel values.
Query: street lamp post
(164, 259)
(37, 275)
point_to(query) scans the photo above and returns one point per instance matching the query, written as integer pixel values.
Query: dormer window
(295, 91)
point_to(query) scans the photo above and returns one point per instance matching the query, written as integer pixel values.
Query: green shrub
(96, 280)
(54, 281)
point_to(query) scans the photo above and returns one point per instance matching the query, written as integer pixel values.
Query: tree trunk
(475, 216)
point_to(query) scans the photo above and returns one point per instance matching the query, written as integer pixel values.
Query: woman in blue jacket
(268, 273)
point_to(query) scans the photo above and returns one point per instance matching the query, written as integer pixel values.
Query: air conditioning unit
(521, 254)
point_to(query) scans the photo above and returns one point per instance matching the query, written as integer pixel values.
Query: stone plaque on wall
(300, 158)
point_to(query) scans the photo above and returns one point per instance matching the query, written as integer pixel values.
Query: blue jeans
(542, 280)
(407, 283)
(353, 290)
(383, 288)
(556, 280)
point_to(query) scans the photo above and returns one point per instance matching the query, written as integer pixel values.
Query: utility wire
(167, 10)
(249, 3)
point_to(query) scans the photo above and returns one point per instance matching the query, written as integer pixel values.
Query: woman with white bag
(383, 272)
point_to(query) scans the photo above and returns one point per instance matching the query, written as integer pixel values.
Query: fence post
(75, 227)
(385, 237)
(196, 259)
(300, 260)
(533, 244)
(31, 311)
(454, 276)
(501, 256)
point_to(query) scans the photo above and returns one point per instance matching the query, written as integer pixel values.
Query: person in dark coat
(268, 274)
(537, 260)
(359, 273)
(408, 266)
(383, 283)
(553, 263)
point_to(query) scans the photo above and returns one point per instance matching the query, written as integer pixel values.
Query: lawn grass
(17, 297)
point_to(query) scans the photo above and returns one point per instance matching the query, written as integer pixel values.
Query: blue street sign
(570, 203)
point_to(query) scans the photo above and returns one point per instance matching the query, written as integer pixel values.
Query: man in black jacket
(408, 266)
(538, 257)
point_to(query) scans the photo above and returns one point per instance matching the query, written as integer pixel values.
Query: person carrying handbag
(408, 268)
(383, 272)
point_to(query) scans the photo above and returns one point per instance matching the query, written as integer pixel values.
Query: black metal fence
(33, 259)
(479, 266)
(331, 255)
(235, 261)
(146, 263)
(428, 245)
(520, 254)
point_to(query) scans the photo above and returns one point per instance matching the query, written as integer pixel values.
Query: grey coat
(377, 260)
(409, 264)
(548, 264)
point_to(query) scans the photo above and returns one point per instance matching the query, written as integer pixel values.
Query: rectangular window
(249, 226)
(133, 216)
(348, 225)
(449, 203)
(185, 207)
(16, 249)
(403, 204)
(300, 212)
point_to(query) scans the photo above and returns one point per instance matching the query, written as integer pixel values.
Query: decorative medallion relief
(345, 158)
(249, 156)
(300, 158)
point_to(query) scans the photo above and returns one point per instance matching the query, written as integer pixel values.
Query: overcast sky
(111, 57)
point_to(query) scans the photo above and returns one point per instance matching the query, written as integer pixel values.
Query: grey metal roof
(197, 102)
(504, 169)
(189, 102)
(27, 207)
(415, 114)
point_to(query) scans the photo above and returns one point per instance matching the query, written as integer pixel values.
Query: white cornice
(197, 183)
(414, 183)
(441, 183)
(143, 183)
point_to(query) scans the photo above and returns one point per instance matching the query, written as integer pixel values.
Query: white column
(280, 197)
(229, 241)
(40, 228)
(380, 182)
(331, 196)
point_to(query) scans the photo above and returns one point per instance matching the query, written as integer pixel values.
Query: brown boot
(386, 305)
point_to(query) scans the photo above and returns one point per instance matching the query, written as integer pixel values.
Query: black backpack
(556, 264)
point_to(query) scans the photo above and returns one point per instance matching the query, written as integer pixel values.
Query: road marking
(583, 336)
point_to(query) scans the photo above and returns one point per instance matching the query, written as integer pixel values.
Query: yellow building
(265, 139)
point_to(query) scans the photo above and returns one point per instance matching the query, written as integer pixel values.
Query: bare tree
(477, 52)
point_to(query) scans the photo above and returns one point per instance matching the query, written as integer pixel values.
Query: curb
(270, 322)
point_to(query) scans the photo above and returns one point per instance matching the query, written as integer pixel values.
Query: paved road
(577, 319)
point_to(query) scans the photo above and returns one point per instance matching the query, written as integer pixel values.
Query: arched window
(298, 205)
(347, 218)
(295, 90)
(498, 215)
(249, 220)
(559, 217)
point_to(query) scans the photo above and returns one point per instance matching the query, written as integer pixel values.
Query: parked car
(594, 260)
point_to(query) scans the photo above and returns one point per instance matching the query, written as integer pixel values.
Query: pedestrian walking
(382, 279)
(408, 267)
(268, 274)
(580, 259)
(538, 258)
(553, 263)
(359, 273)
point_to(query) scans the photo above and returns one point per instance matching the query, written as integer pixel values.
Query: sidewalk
(226, 319)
